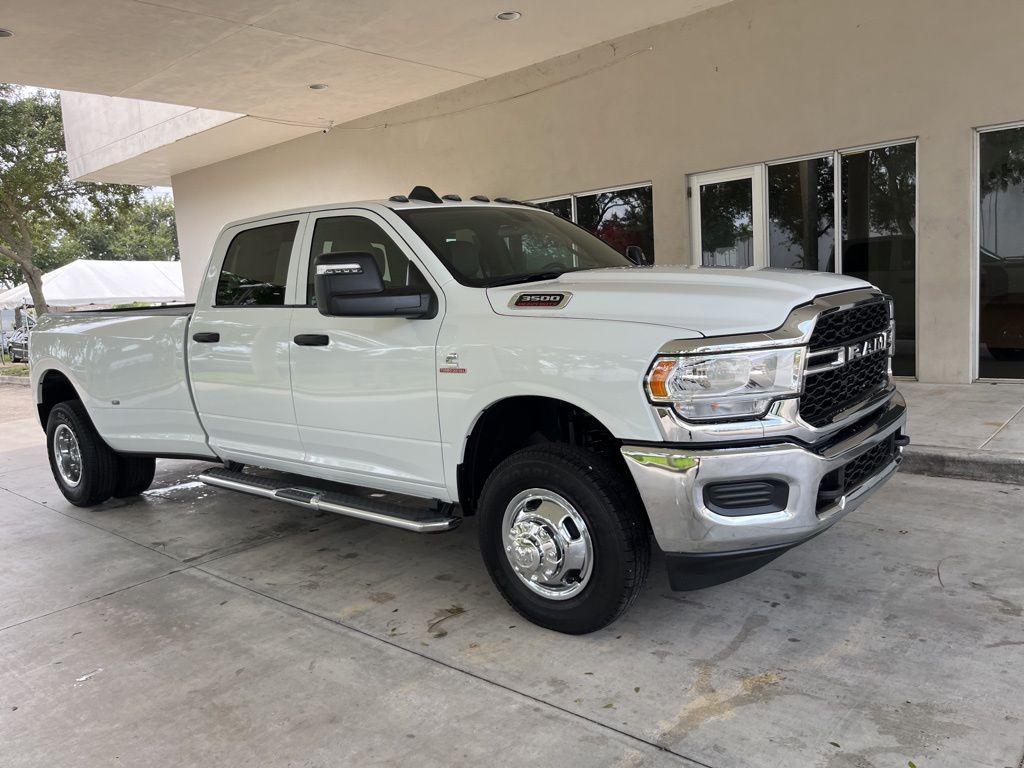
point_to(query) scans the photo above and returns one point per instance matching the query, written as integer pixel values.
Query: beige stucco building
(802, 133)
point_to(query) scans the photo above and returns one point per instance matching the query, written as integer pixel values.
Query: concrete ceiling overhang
(257, 57)
(253, 60)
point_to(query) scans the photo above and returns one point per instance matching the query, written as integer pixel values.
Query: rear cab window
(254, 272)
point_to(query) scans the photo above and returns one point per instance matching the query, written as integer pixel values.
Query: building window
(801, 214)
(1001, 253)
(728, 217)
(879, 214)
(621, 217)
(785, 214)
(255, 267)
(560, 206)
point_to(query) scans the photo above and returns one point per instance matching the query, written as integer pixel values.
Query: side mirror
(350, 285)
(636, 254)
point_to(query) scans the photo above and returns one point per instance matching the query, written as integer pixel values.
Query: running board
(423, 520)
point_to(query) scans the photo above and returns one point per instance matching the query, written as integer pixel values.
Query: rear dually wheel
(82, 464)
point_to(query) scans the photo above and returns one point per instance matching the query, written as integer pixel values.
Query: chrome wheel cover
(67, 456)
(547, 543)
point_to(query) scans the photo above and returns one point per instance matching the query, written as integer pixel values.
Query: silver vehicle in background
(17, 345)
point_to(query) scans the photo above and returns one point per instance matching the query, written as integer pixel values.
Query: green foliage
(46, 219)
(143, 232)
(1002, 160)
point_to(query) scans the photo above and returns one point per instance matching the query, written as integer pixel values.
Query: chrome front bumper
(671, 482)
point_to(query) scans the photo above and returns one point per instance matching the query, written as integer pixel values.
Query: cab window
(356, 234)
(255, 268)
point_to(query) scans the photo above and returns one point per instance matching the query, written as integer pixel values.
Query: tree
(39, 204)
(143, 232)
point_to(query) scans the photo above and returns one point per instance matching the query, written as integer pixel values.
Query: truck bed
(129, 368)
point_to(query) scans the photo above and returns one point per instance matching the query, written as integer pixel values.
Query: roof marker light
(509, 16)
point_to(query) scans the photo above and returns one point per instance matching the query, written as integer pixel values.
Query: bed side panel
(130, 371)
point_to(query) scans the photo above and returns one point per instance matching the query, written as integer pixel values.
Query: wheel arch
(520, 421)
(54, 387)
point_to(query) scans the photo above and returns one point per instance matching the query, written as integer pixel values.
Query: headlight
(729, 385)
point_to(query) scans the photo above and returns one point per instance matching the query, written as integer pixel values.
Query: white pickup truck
(419, 360)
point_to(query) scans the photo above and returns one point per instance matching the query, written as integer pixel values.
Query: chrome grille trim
(850, 377)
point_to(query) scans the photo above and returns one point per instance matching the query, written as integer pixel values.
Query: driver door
(365, 395)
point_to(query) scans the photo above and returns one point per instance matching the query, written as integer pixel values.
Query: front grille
(854, 474)
(829, 392)
(836, 328)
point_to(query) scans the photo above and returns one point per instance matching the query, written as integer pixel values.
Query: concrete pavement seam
(92, 599)
(86, 522)
(185, 565)
(469, 673)
(1004, 426)
(189, 564)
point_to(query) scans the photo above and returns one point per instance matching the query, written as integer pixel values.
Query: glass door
(728, 217)
(1001, 254)
(879, 234)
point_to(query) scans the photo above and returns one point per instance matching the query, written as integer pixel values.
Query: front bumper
(671, 482)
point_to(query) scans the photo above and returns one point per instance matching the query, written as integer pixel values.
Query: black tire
(98, 473)
(604, 497)
(134, 475)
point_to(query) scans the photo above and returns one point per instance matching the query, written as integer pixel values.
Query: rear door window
(255, 268)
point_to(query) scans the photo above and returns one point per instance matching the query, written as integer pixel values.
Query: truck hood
(703, 300)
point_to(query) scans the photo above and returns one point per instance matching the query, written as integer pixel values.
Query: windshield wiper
(527, 278)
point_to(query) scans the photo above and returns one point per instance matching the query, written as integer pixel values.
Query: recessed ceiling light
(6, 33)
(318, 86)
(509, 16)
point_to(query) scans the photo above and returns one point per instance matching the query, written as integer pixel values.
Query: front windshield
(489, 246)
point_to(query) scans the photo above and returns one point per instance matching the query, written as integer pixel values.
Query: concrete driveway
(194, 626)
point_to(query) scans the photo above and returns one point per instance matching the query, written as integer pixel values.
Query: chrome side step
(433, 519)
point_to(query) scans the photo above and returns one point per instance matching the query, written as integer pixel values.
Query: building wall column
(946, 261)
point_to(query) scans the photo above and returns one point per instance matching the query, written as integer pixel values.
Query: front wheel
(82, 464)
(563, 537)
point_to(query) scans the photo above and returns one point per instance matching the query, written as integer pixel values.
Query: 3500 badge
(540, 300)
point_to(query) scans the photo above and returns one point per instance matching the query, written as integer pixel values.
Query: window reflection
(879, 188)
(727, 223)
(560, 207)
(255, 267)
(620, 217)
(801, 214)
(1001, 253)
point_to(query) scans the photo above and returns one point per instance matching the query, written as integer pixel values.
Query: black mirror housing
(636, 254)
(351, 285)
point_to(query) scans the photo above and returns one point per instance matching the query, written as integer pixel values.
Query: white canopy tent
(85, 282)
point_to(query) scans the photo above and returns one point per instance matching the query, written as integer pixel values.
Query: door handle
(312, 340)
(205, 337)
